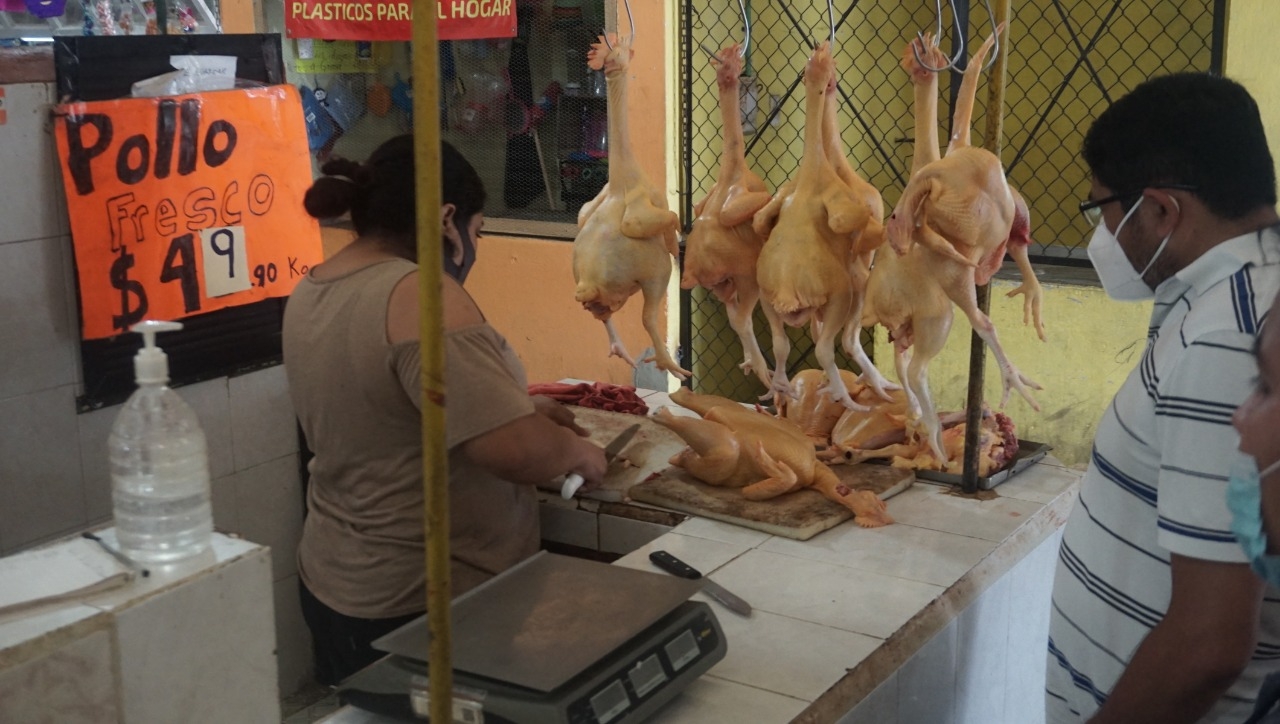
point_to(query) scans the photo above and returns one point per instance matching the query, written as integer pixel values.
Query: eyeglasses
(1092, 210)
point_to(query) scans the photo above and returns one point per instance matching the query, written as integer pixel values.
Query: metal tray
(1029, 453)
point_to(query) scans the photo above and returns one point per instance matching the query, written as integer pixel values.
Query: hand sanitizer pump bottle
(159, 464)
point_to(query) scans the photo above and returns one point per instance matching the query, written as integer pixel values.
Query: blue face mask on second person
(1244, 498)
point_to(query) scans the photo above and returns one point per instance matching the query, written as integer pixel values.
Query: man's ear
(1168, 210)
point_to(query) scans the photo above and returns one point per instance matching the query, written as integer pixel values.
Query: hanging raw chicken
(811, 224)
(627, 234)
(721, 249)
(960, 209)
(863, 241)
(901, 293)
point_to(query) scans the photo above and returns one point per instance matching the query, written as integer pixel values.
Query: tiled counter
(194, 642)
(942, 617)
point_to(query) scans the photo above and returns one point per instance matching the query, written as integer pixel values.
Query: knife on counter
(615, 446)
(677, 567)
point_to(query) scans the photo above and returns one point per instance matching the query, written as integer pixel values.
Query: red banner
(392, 19)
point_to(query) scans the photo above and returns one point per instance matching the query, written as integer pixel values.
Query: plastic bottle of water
(159, 464)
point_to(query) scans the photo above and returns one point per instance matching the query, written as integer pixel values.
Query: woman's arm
(530, 449)
(534, 449)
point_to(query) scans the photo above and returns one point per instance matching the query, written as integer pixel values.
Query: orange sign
(185, 204)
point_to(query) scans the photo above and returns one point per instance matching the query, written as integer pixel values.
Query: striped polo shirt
(1156, 482)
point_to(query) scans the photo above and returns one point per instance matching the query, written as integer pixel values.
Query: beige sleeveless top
(357, 399)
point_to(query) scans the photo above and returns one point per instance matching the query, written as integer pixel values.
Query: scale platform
(561, 640)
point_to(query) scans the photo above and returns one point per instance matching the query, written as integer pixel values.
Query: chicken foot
(654, 292)
(869, 511)
(616, 347)
(961, 290)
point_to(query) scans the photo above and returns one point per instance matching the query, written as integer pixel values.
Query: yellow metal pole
(435, 471)
(995, 94)
(977, 348)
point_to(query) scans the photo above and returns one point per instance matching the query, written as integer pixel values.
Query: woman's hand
(558, 413)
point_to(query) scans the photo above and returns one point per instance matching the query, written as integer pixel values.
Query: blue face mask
(1244, 498)
(458, 270)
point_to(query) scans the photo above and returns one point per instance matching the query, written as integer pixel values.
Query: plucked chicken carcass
(961, 211)
(997, 447)
(803, 268)
(627, 235)
(812, 409)
(864, 241)
(721, 249)
(902, 294)
(733, 446)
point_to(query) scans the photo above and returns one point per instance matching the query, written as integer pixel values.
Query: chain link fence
(1068, 60)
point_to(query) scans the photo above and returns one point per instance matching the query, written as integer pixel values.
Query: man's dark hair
(1186, 128)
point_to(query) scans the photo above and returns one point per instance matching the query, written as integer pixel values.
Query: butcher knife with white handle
(677, 567)
(615, 446)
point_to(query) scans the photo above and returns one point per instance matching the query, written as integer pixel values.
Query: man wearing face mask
(351, 355)
(1156, 615)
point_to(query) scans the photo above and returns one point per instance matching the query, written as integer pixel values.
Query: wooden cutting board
(800, 515)
(646, 454)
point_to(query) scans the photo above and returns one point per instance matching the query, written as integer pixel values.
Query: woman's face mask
(460, 269)
(1119, 279)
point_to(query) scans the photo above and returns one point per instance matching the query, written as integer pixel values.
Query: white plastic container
(159, 464)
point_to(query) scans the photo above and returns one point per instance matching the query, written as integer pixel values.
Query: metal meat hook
(631, 39)
(746, 43)
(951, 63)
(995, 49)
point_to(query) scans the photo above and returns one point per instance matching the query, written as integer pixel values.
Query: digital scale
(555, 640)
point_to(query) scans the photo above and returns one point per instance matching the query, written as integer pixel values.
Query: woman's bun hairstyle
(338, 190)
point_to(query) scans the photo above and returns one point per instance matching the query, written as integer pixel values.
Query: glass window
(526, 111)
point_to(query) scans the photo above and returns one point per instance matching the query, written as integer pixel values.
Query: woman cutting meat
(351, 354)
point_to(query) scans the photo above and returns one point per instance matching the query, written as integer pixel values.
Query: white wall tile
(211, 401)
(37, 347)
(1030, 593)
(880, 706)
(293, 638)
(570, 526)
(269, 509)
(31, 206)
(926, 683)
(93, 429)
(982, 650)
(73, 684)
(263, 426)
(41, 489)
(226, 511)
(220, 626)
(623, 535)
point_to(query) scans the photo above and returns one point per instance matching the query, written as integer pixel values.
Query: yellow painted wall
(1250, 58)
(1093, 343)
